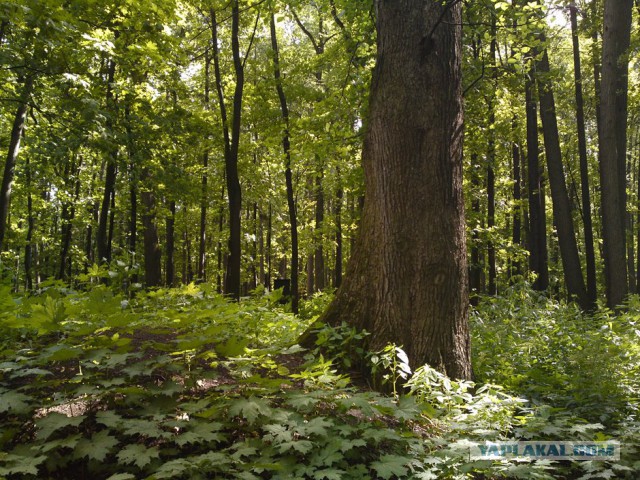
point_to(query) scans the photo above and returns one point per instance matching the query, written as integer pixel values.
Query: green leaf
(144, 428)
(14, 402)
(67, 442)
(249, 408)
(138, 455)
(96, 448)
(30, 371)
(173, 469)
(212, 458)
(203, 432)
(329, 474)
(233, 347)
(19, 464)
(56, 421)
(391, 465)
(122, 476)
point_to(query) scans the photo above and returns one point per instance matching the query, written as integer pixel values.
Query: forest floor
(180, 383)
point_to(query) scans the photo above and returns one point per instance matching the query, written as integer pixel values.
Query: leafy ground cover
(181, 383)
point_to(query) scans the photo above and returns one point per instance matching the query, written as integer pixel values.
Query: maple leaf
(138, 455)
(13, 401)
(55, 421)
(329, 474)
(26, 465)
(96, 448)
(250, 408)
(390, 465)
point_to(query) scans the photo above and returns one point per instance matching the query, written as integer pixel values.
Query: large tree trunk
(563, 219)
(406, 281)
(612, 145)
(12, 155)
(293, 216)
(584, 165)
(538, 255)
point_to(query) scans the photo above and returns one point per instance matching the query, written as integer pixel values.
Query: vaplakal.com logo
(532, 450)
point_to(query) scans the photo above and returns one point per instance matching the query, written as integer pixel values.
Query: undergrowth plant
(182, 384)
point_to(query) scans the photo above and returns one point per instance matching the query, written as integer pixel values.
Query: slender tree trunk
(538, 256)
(102, 234)
(269, 247)
(17, 129)
(93, 212)
(338, 213)
(28, 248)
(612, 145)
(67, 216)
(152, 252)
(112, 215)
(232, 142)
(286, 147)
(310, 276)
(319, 253)
(630, 236)
(584, 164)
(563, 219)
(133, 193)
(188, 267)
(491, 160)
(220, 249)
(407, 278)
(476, 267)
(169, 268)
(516, 238)
(204, 194)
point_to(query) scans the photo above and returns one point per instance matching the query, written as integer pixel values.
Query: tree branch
(306, 32)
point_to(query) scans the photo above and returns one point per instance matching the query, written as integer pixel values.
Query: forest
(322, 239)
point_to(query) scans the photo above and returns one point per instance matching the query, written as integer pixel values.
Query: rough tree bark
(407, 278)
(612, 145)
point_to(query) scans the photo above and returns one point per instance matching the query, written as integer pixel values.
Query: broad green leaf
(329, 474)
(173, 469)
(391, 465)
(56, 421)
(249, 408)
(122, 476)
(96, 448)
(233, 347)
(138, 455)
(14, 402)
(19, 464)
